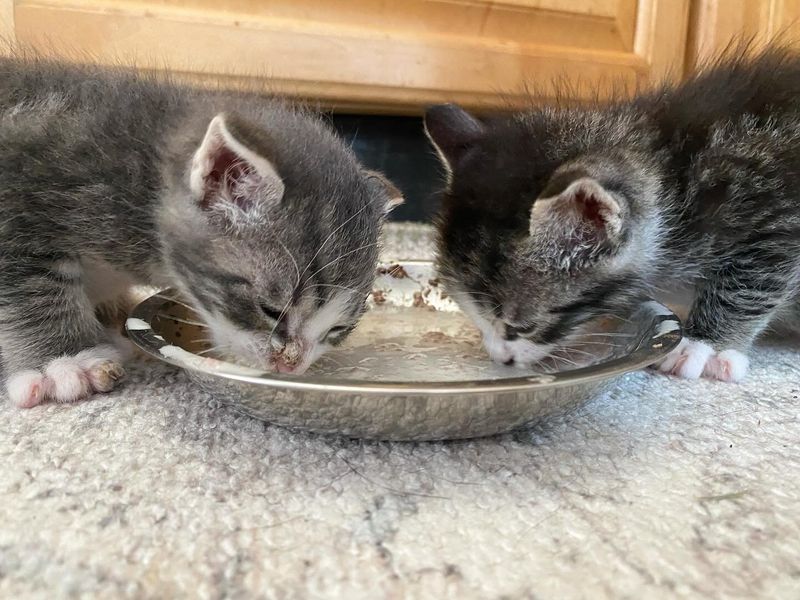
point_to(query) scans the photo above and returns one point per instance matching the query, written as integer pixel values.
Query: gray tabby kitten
(557, 215)
(254, 209)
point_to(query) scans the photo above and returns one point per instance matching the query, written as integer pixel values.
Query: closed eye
(337, 332)
(519, 330)
(230, 280)
(270, 312)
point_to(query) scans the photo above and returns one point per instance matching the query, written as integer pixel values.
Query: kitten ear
(386, 190)
(225, 170)
(452, 130)
(584, 217)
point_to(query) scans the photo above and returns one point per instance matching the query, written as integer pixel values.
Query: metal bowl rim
(646, 355)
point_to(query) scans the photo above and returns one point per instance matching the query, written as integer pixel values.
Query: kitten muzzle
(288, 358)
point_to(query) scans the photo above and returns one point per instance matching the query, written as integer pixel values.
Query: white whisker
(294, 262)
(623, 319)
(332, 285)
(176, 301)
(307, 297)
(213, 349)
(619, 335)
(182, 320)
(340, 257)
(571, 350)
(332, 233)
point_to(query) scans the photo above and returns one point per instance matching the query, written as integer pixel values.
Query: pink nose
(289, 357)
(282, 367)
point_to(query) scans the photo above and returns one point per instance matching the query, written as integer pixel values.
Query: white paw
(498, 349)
(68, 378)
(26, 388)
(728, 365)
(693, 359)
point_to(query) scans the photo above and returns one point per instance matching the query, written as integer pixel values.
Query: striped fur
(698, 184)
(100, 188)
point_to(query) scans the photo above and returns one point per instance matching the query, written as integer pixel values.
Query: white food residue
(180, 355)
(666, 327)
(137, 324)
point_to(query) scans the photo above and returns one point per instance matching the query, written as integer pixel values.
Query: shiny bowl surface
(413, 369)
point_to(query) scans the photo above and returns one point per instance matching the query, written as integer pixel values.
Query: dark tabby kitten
(556, 215)
(251, 207)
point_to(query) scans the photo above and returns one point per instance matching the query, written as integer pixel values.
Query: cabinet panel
(387, 56)
(715, 24)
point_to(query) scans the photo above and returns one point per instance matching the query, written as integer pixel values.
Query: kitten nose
(288, 357)
(283, 367)
(510, 333)
(292, 352)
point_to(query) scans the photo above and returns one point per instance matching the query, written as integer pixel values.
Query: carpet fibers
(658, 488)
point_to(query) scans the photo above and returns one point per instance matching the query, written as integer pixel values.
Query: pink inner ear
(227, 171)
(590, 207)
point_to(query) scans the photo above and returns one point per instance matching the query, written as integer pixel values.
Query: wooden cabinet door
(716, 24)
(370, 54)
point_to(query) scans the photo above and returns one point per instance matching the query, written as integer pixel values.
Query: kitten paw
(68, 378)
(693, 359)
(728, 365)
(26, 388)
(498, 350)
(687, 360)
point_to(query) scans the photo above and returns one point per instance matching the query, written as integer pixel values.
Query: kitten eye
(336, 331)
(513, 332)
(270, 312)
(233, 280)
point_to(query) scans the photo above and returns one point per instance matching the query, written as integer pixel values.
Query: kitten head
(547, 222)
(271, 229)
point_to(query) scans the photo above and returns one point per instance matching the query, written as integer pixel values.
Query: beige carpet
(658, 489)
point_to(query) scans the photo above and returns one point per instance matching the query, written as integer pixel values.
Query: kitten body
(251, 207)
(556, 215)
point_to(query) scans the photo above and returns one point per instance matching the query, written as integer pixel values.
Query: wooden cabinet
(715, 24)
(398, 56)
(383, 55)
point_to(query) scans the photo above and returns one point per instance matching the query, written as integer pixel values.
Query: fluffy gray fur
(251, 207)
(554, 216)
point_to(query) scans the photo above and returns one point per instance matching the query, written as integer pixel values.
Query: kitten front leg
(729, 312)
(51, 341)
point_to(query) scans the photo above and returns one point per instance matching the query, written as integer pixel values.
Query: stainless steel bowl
(414, 368)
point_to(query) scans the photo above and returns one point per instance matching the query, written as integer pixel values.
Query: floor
(658, 489)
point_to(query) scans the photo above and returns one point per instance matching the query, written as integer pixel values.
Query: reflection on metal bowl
(414, 368)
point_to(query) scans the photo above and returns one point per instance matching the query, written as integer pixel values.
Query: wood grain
(715, 25)
(661, 31)
(376, 55)
(6, 22)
